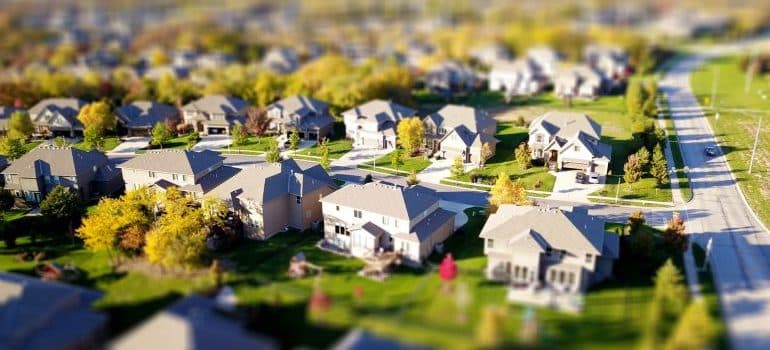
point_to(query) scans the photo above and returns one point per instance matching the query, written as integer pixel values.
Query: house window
(356, 213)
(577, 148)
(299, 200)
(589, 258)
(539, 138)
(404, 246)
(338, 208)
(515, 269)
(174, 176)
(490, 243)
(561, 277)
(571, 278)
(151, 174)
(384, 220)
(552, 276)
(507, 267)
(184, 177)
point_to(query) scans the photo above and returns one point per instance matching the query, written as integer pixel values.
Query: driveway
(566, 188)
(360, 155)
(129, 146)
(440, 169)
(213, 142)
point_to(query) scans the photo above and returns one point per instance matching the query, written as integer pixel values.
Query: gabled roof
(380, 111)
(570, 229)
(513, 67)
(50, 160)
(299, 105)
(566, 124)
(281, 60)
(401, 202)
(428, 225)
(596, 148)
(211, 180)
(174, 161)
(68, 108)
(214, 104)
(144, 113)
(451, 116)
(470, 138)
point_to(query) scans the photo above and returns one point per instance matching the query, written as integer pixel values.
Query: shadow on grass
(124, 316)
(289, 326)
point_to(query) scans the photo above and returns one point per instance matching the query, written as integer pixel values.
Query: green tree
(674, 236)
(294, 140)
(62, 205)
(267, 88)
(523, 156)
(61, 142)
(396, 159)
(659, 166)
(694, 330)
(20, 125)
(178, 238)
(457, 168)
(238, 134)
(192, 139)
(643, 156)
(63, 55)
(411, 133)
(412, 179)
(160, 134)
(12, 148)
(635, 97)
(506, 191)
(632, 170)
(650, 108)
(273, 154)
(323, 150)
(97, 115)
(93, 138)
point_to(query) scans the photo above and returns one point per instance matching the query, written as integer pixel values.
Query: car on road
(580, 177)
(711, 151)
(593, 178)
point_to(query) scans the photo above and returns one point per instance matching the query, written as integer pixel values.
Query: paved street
(741, 245)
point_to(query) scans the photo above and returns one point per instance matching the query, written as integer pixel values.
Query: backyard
(736, 129)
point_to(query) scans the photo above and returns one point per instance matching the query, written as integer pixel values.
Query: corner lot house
(269, 198)
(565, 250)
(460, 131)
(139, 117)
(57, 117)
(215, 114)
(569, 140)
(373, 124)
(367, 219)
(87, 173)
(310, 116)
(195, 173)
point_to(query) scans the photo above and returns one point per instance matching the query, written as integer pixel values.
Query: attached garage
(574, 165)
(216, 131)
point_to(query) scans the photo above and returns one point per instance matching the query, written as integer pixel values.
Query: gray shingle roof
(265, 182)
(381, 111)
(566, 124)
(212, 180)
(174, 161)
(570, 229)
(451, 116)
(214, 104)
(66, 107)
(300, 105)
(428, 226)
(385, 199)
(49, 160)
(141, 114)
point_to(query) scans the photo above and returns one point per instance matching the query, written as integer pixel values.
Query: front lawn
(110, 142)
(645, 189)
(179, 142)
(254, 143)
(416, 163)
(27, 147)
(338, 144)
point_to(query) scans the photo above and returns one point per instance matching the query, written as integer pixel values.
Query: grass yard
(27, 146)
(735, 130)
(645, 189)
(254, 143)
(338, 144)
(416, 164)
(179, 142)
(110, 142)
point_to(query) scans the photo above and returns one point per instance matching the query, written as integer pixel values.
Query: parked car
(580, 177)
(593, 178)
(711, 151)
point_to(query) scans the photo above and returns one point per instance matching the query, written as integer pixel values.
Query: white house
(569, 140)
(580, 81)
(517, 78)
(460, 131)
(373, 124)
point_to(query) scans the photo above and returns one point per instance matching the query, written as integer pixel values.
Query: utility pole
(714, 83)
(756, 141)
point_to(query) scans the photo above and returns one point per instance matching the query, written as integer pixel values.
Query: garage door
(574, 165)
(217, 131)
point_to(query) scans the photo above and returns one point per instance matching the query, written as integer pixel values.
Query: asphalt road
(740, 256)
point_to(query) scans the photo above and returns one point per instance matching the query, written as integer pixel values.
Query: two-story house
(450, 76)
(306, 114)
(516, 78)
(460, 131)
(367, 219)
(563, 249)
(569, 140)
(609, 61)
(215, 114)
(139, 117)
(579, 81)
(373, 124)
(270, 198)
(57, 117)
(194, 173)
(87, 173)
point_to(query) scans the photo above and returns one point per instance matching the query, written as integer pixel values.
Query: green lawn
(254, 143)
(27, 146)
(338, 144)
(110, 142)
(736, 130)
(645, 189)
(179, 142)
(676, 152)
(416, 164)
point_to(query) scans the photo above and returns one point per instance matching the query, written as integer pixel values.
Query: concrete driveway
(130, 145)
(360, 155)
(213, 142)
(566, 188)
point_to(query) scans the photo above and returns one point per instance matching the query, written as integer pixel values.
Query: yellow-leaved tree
(178, 238)
(411, 133)
(97, 115)
(506, 191)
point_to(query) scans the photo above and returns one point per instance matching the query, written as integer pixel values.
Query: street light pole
(756, 141)
(714, 83)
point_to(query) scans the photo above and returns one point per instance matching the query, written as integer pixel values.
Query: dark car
(711, 151)
(580, 177)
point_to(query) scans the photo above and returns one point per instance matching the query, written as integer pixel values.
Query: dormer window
(589, 258)
(577, 148)
(539, 138)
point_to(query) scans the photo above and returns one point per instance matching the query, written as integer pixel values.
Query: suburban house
(139, 117)
(87, 173)
(490, 54)
(215, 114)
(5, 115)
(269, 198)
(364, 220)
(449, 77)
(545, 60)
(559, 249)
(281, 60)
(580, 81)
(460, 131)
(48, 315)
(306, 114)
(516, 78)
(569, 140)
(57, 117)
(373, 124)
(194, 173)
(610, 62)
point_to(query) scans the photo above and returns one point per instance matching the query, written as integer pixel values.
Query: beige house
(560, 249)
(580, 81)
(195, 173)
(460, 131)
(269, 198)
(373, 124)
(87, 173)
(365, 220)
(139, 117)
(569, 140)
(215, 114)
(308, 115)
(516, 78)
(57, 117)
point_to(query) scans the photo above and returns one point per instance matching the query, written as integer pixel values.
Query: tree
(650, 107)
(160, 134)
(97, 115)
(323, 150)
(412, 179)
(7, 200)
(178, 238)
(238, 134)
(506, 191)
(660, 137)
(214, 210)
(257, 121)
(457, 168)
(192, 139)
(396, 160)
(411, 133)
(635, 220)
(643, 156)
(674, 237)
(632, 170)
(62, 205)
(93, 138)
(12, 148)
(294, 140)
(523, 156)
(158, 57)
(61, 142)
(486, 152)
(491, 327)
(670, 289)
(63, 55)
(694, 330)
(635, 97)
(267, 88)
(659, 166)
(273, 154)
(20, 125)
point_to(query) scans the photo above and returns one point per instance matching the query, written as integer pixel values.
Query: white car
(593, 178)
